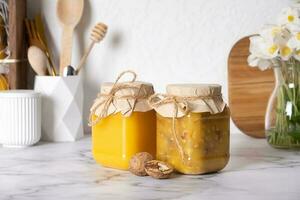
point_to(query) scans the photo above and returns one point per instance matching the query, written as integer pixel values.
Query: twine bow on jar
(103, 101)
(158, 100)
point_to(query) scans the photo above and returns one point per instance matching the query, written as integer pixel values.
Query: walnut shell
(137, 163)
(158, 169)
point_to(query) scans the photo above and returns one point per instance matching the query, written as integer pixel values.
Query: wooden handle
(66, 54)
(40, 31)
(51, 67)
(97, 34)
(17, 76)
(84, 57)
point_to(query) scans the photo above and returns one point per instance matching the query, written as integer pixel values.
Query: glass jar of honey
(123, 123)
(3, 55)
(192, 128)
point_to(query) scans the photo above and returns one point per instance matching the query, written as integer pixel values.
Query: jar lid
(121, 97)
(136, 88)
(194, 90)
(181, 99)
(18, 93)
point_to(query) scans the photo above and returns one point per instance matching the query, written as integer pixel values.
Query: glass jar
(282, 119)
(123, 123)
(3, 48)
(3, 75)
(3, 82)
(195, 138)
(117, 138)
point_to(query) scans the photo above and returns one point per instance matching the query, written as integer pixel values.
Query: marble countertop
(67, 171)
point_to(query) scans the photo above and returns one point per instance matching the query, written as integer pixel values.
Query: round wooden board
(249, 90)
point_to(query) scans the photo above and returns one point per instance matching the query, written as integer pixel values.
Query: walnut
(137, 163)
(158, 169)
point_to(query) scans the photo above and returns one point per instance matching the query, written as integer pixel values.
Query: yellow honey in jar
(3, 83)
(117, 138)
(124, 123)
(3, 80)
(196, 140)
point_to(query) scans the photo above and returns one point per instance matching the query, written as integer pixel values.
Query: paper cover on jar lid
(130, 96)
(124, 97)
(183, 98)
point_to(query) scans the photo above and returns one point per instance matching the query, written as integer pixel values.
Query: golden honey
(117, 138)
(3, 83)
(123, 123)
(3, 80)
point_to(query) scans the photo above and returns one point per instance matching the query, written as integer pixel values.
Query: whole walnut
(137, 163)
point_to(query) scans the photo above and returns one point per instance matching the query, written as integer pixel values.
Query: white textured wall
(165, 41)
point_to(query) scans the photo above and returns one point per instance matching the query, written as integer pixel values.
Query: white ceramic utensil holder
(62, 102)
(20, 118)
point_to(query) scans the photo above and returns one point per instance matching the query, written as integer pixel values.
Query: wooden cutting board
(249, 90)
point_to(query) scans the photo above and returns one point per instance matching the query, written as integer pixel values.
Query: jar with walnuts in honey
(192, 128)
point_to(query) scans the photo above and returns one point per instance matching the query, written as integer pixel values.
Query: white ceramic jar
(62, 104)
(20, 118)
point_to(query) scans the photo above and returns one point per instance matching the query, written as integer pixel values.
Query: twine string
(179, 104)
(106, 100)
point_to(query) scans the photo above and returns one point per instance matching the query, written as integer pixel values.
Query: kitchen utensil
(249, 91)
(38, 60)
(42, 37)
(39, 26)
(20, 118)
(98, 33)
(17, 75)
(69, 13)
(35, 40)
(69, 71)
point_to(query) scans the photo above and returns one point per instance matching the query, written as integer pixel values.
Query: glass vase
(282, 122)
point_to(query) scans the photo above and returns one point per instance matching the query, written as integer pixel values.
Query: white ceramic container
(62, 102)
(20, 118)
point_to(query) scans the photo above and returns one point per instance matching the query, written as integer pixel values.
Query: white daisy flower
(294, 41)
(262, 52)
(290, 18)
(286, 52)
(263, 48)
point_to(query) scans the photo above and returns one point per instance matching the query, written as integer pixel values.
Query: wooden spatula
(249, 90)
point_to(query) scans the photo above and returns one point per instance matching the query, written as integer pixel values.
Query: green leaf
(295, 134)
(295, 119)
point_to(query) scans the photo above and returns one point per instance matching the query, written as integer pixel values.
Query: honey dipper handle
(84, 57)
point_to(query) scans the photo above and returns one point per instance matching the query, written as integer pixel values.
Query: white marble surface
(67, 171)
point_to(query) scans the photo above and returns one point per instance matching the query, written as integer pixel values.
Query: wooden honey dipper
(98, 33)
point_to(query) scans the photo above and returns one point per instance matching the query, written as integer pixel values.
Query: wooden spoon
(69, 13)
(98, 33)
(38, 60)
